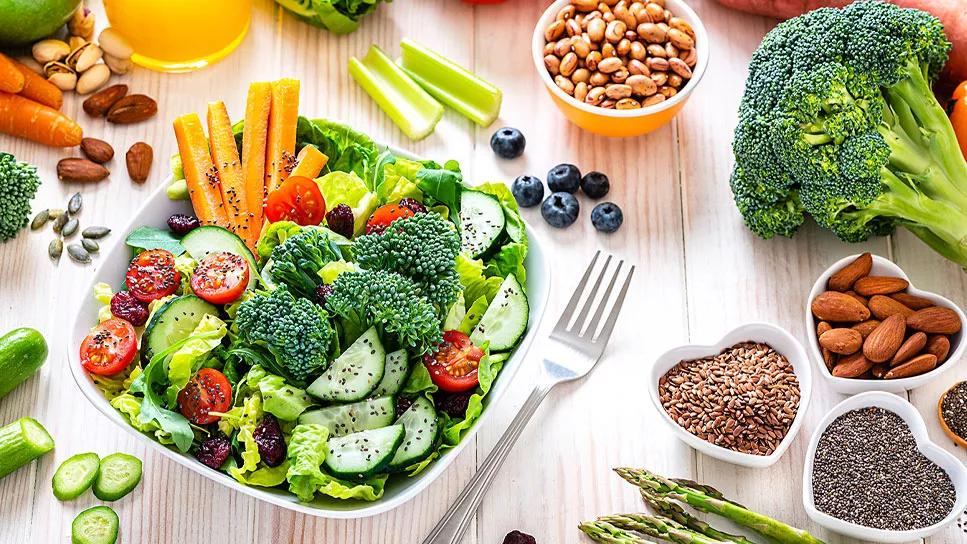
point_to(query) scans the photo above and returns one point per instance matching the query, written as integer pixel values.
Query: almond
(138, 160)
(879, 370)
(912, 301)
(910, 347)
(939, 346)
(866, 327)
(885, 340)
(936, 320)
(822, 327)
(914, 367)
(861, 300)
(844, 278)
(100, 102)
(80, 170)
(836, 306)
(829, 358)
(98, 151)
(841, 341)
(853, 366)
(133, 108)
(883, 307)
(880, 285)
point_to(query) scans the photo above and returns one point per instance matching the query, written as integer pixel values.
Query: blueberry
(595, 184)
(607, 217)
(508, 143)
(528, 190)
(560, 209)
(564, 177)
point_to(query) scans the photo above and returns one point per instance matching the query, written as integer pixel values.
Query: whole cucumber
(22, 352)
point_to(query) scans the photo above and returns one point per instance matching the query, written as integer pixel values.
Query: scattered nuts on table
(138, 160)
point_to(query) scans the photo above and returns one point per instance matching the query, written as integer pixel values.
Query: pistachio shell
(93, 79)
(114, 44)
(49, 50)
(118, 66)
(34, 66)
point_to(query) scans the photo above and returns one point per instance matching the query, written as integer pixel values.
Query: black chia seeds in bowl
(868, 471)
(953, 410)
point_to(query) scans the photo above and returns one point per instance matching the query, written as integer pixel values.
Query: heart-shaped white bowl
(782, 342)
(954, 468)
(851, 386)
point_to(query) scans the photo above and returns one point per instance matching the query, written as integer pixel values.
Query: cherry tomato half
(384, 215)
(221, 277)
(298, 199)
(207, 391)
(152, 275)
(110, 347)
(454, 366)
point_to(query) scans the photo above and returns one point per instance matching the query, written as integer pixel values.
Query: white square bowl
(112, 265)
(778, 339)
(954, 468)
(851, 386)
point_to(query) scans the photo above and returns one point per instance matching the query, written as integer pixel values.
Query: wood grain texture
(700, 272)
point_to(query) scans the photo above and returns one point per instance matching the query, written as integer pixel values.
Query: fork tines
(606, 305)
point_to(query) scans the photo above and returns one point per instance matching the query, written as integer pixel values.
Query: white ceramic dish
(955, 469)
(781, 341)
(111, 266)
(851, 386)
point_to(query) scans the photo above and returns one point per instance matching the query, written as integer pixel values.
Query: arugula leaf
(148, 383)
(146, 237)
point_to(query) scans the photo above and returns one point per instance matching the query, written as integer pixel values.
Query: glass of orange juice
(180, 35)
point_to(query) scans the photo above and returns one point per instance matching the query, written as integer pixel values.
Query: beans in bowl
(619, 55)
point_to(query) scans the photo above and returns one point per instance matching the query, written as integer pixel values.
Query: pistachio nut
(112, 43)
(118, 66)
(56, 67)
(75, 42)
(50, 50)
(84, 57)
(81, 23)
(93, 79)
(65, 81)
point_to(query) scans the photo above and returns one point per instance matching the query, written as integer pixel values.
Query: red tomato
(152, 275)
(298, 199)
(110, 347)
(454, 366)
(384, 215)
(207, 391)
(220, 277)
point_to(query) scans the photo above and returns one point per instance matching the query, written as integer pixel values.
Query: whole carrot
(24, 118)
(37, 88)
(11, 80)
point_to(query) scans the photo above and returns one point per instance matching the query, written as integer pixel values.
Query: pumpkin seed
(55, 213)
(40, 220)
(90, 245)
(74, 205)
(78, 253)
(55, 248)
(95, 233)
(69, 228)
(60, 222)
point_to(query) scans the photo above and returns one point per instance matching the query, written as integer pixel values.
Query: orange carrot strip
(958, 116)
(225, 156)
(25, 118)
(254, 136)
(11, 80)
(283, 118)
(310, 163)
(201, 176)
(39, 89)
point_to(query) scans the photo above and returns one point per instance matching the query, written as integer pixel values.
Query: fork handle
(455, 522)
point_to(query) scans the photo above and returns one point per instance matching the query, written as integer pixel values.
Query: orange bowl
(621, 123)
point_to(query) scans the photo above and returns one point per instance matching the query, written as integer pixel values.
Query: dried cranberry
(182, 224)
(454, 404)
(128, 308)
(403, 404)
(340, 220)
(414, 205)
(322, 293)
(268, 437)
(214, 451)
(517, 537)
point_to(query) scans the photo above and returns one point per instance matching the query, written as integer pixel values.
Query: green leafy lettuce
(306, 453)
(280, 399)
(347, 149)
(336, 16)
(189, 357)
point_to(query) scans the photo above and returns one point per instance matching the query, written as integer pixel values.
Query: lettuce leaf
(103, 294)
(244, 419)
(347, 149)
(336, 16)
(398, 181)
(273, 235)
(189, 357)
(130, 406)
(151, 383)
(306, 453)
(263, 476)
(349, 189)
(474, 279)
(280, 399)
(490, 366)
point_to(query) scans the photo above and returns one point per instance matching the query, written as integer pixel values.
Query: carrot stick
(11, 80)
(283, 118)
(958, 115)
(39, 89)
(310, 163)
(201, 176)
(25, 118)
(254, 137)
(229, 166)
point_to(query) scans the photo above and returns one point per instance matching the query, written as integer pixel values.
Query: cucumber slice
(202, 241)
(173, 321)
(22, 352)
(395, 373)
(117, 476)
(75, 476)
(96, 525)
(355, 373)
(505, 320)
(481, 222)
(352, 418)
(21, 442)
(422, 428)
(360, 455)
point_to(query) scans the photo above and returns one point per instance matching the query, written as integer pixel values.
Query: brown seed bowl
(943, 424)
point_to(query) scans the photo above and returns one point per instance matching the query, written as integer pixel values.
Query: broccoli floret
(839, 121)
(18, 185)
(294, 330)
(296, 261)
(423, 248)
(389, 301)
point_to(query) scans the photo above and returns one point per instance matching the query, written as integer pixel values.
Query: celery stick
(450, 83)
(406, 103)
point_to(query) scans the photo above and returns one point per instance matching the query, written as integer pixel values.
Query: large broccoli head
(18, 185)
(296, 261)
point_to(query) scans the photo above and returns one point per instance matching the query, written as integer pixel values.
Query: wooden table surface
(700, 273)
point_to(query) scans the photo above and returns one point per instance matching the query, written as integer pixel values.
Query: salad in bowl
(340, 330)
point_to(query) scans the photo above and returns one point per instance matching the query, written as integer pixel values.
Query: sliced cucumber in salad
(352, 418)
(360, 455)
(394, 375)
(422, 428)
(481, 222)
(212, 239)
(505, 320)
(355, 373)
(174, 321)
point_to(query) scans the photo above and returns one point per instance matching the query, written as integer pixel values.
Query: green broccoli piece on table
(18, 186)
(296, 261)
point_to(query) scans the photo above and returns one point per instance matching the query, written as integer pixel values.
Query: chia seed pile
(954, 409)
(868, 471)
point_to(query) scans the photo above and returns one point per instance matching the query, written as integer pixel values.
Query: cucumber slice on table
(97, 525)
(394, 375)
(21, 442)
(173, 321)
(422, 427)
(355, 373)
(352, 418)
(118, 475)
(481, 222)
(203, 241)
(360, 455)
(22, 352)
(505, 320)
(75, 476)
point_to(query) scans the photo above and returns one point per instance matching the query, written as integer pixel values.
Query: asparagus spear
(672, 510)
(658, 527)
(708, 500)
(600, 531)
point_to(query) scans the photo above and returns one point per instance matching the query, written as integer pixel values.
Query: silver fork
(576, 346)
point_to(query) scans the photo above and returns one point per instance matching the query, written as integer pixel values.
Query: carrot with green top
(204, 186)
(224, 153)
(254, 139)
(309, 162)
(283, 118)
(11, 79)
(24, 118)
